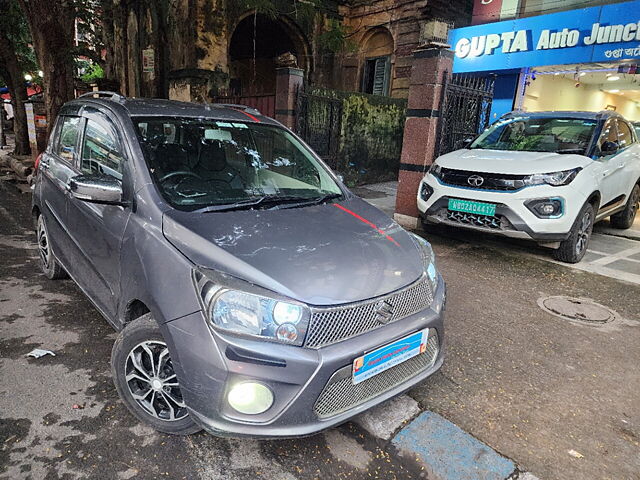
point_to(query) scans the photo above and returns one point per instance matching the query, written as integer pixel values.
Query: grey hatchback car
(253, 293)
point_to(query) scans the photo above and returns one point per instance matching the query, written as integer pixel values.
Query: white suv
(546, 176)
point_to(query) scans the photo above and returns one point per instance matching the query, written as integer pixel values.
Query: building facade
(198, 50)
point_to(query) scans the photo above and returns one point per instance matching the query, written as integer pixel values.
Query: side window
(609, 133)
(625, 138)
(68, 138)
(101, 150)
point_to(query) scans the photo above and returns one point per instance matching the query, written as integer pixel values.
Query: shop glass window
(101, 152)
(377, 72)
(68, 138)
(625, 137)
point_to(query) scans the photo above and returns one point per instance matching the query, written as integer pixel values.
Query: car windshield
(538, 134)
(215, 165)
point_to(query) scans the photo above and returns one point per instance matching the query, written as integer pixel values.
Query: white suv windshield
(538, 134)
(200, 163)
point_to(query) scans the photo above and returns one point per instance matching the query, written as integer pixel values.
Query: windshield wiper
(571, 150)
(266, 200)
(305, 201)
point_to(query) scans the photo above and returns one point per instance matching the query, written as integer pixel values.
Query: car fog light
(425, 191)
(287, 332)
(250, 398)
(546, 207)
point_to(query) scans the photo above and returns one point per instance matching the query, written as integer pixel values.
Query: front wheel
(145, 379)
(626, 217)
(575, 246)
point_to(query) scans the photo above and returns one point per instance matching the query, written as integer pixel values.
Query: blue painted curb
(449, 453)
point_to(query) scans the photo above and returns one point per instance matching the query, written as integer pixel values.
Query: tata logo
(384, 312)
(475, 180)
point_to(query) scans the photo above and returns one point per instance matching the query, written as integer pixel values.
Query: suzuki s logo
(384, 312)
(475, 180)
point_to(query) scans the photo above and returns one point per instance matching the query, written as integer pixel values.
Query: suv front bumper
(208, 364)
(513, 217)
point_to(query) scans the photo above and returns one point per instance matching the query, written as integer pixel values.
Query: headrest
(212, 157)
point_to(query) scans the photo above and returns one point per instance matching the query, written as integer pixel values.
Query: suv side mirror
(467, 142)
(97, 189)
(609, 148)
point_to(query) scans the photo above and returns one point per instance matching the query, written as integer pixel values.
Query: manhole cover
(581, 310)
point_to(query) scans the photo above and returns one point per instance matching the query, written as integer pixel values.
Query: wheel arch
(135, 308)
(594, 200)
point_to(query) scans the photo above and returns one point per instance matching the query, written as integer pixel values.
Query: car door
(627, 172)
(97, 229)
(610, 169)
(56, 167)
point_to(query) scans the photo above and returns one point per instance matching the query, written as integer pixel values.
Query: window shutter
(379, 76)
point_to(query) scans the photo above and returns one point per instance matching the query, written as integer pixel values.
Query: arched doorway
(255, 44)
(376, 71)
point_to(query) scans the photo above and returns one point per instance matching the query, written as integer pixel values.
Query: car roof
(604, 114)
(157, 107)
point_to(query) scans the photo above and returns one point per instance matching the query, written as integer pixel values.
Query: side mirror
(609, 148)
(467, 141)
(96, 189)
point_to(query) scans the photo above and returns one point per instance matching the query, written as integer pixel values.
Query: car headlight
(435, 170)
(252, 314)
(428, 260)
(556, 179)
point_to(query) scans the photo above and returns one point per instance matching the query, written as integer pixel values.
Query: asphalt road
(60, 417)
(532, 386)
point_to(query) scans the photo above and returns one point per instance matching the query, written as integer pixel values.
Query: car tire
(575, 246)
(626, 217)
(145, 380)
(48, 262)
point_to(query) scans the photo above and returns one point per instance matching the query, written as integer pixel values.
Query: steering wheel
(184, 173)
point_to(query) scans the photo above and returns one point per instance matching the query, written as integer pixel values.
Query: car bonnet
(322, 255)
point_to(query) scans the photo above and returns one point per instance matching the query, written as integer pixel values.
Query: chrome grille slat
(332, 325)
(340, 394)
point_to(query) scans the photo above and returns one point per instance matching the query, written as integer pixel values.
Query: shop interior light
(615, 90)
(582, 74)
(613, 78)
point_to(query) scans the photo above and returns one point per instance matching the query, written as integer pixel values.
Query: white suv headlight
(555, 179)
(428, 260)
(252, 314)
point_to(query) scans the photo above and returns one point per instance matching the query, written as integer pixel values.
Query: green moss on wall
(371, 136)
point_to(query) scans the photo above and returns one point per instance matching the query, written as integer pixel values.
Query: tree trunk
(12, 73)
(52, 26)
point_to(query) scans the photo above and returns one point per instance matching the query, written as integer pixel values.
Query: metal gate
(318, 122)
(466, 106)
(265, 104)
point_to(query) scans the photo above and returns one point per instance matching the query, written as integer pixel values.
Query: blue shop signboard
(597, 34)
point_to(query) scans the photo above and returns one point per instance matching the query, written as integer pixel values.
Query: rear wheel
(626, 217)
(50, 266)
(573, 248)
(145, 379)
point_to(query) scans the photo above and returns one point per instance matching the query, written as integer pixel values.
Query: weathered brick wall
(403, 19)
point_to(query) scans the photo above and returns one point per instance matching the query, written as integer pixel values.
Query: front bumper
(515, 219)
(208, 363)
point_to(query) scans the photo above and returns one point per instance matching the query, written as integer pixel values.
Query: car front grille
(334, 324)
(490, 181)
(340, 394)
(474, 219)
